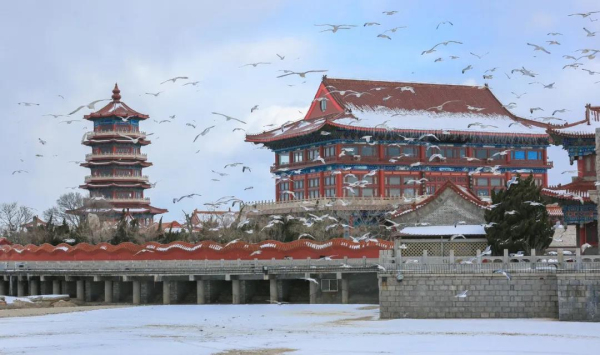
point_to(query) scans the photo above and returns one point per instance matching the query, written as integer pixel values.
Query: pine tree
(518, 219)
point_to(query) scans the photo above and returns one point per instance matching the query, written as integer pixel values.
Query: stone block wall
(579, 297)
(489, 296)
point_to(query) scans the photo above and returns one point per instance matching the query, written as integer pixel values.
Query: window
(483, 193)
(283, 187)
(330, 192)
(313, 154)
(329, 180)
(368, 151)
(299, 195)
(410, 192)
(392, 151)
(534, 155)
(284, 158)
(298, 184)
(298, 156)
(410, 151)
(481, 153)
(369, 179)
(392, 180)
(350, 150)
(313, 182)
(482, 182)
(495, 182)
(394, 192)
(313, 193)
(329, 151)
(368, 192)
(329, 285)
(518, 155)
(323, 104)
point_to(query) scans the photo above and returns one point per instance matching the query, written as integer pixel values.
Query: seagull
(254, 108)
(512, 212)
(42, 141)
(175, 200)
(441, 107)
(305, 235)
(204, 132)
(153, 94)
(562, 110)
(429, 135)
(335, 28)
(586, 14)
(371, 24)
(384, 36)
(393, 30)
(589, 33)
(462, 294)
(585, 246)
(434, 156)
(232, 242)
(281, 57)
(301, 74)
(538, 48)
(591, 72)
(469, 67)
(533, 203)
(228, 118)
(443, 23)
(479, 56)
(20, 172)
(389, 13)
(173, 80)
(27, 104)
(553, 42)
(194, 83)
(310, 279)
(512, 181)
(473, 108)
(549, 86)
(517, 95)
(500, 271)
(133, 140)
(55, 116)
(406, 88)
(533, 109)
(191, 125)
(457, 236)
(91, 106)
(255, 64)
(524, 71)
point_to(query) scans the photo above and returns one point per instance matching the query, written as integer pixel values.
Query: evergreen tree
(122, 234)
(518, 219)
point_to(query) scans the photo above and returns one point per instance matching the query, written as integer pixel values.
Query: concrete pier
(80, 290)
(108, 291)
(166, 292)
(56, 287)
(312, 292)
(137, 290)
(200, 296)
(273, 290)
(235, 291)
(34, 287)
(345, 292)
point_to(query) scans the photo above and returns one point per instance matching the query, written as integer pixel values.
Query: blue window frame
(518, 155)
(534, 155)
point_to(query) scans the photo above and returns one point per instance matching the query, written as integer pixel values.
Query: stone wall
(489, 296)
(579, 297)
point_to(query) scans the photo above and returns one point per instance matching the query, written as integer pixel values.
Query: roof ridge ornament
(116, 96)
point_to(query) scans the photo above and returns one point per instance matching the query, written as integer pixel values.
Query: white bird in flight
(173, 80)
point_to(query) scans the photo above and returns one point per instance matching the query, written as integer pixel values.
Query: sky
(80, 49)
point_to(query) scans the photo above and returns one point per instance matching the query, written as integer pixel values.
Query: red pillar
(305, 177)
(381, 183)
(339, 183)
(321, 184)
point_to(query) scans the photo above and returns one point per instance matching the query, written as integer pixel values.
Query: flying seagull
(255, 64)
(390, 13)
(153, 94)
(590, 33)
(335, 28)
(228, 118)
(586, 14)
(301, 74)
(538, 48)
(90, 105)
(206, 130)
(175, 200)
(443, 23)
(173, 80)
(27, 104)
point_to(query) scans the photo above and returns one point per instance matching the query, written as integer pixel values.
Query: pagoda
(578, 198)
(116, 162)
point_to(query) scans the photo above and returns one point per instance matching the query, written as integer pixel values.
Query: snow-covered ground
(309, 329)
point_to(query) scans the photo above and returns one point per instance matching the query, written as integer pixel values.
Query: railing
(131, 200)
(141, 156)
(116, 133)
(102, 178)
(351, 202)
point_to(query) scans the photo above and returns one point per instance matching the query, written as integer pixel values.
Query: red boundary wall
(206, 250)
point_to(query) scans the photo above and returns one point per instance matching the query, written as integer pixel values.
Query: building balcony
(118, 156)
(111, 133)
(119, 178)
(144, 200)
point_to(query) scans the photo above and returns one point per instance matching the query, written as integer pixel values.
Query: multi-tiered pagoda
(116, 162)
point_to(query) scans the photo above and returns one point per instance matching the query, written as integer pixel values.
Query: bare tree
(13, 216)
(66, 202)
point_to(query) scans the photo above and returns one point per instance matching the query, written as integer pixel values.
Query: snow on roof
(476, 122)
(468, 229)
(571, 191)
(582, 129)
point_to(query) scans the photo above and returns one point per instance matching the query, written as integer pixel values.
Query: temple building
(116, 162)
(381, 143)
(578, 199)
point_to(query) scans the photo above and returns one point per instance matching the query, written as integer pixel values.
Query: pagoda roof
(116, 108)
(130, 210)
(407, 107)
(554, 210)
(585, 128)
(115, 162)
(461, 191)
(577, 190)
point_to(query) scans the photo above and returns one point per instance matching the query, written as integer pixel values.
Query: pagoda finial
(116, 96)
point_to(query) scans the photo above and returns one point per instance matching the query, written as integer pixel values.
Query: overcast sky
(79, 49)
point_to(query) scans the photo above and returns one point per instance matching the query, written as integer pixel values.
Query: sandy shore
(31, 312)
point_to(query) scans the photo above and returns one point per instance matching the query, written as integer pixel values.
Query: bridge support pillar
(34, 290)
(345, 292)
(20, 288)
(200, 296)
(235, 291)
(312, 292)
(3, 288)
(137, 291)
(108, 291)
(166, 292)
(80, 290)
(56, 287)
(273, 290)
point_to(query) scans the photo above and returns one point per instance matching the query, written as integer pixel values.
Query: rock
(24, 304)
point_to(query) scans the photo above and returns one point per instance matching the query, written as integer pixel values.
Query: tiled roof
(576, 190)
(554, 210)
(584, 128)
(116, 108)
